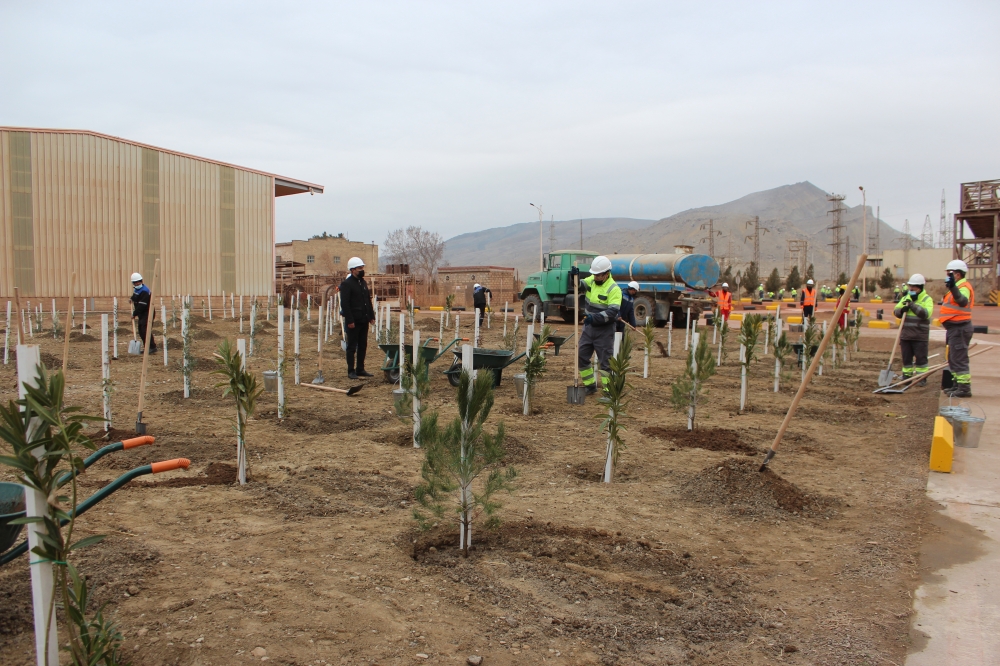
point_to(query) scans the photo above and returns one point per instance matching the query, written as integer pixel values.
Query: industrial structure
(977, 230)
(76, 201)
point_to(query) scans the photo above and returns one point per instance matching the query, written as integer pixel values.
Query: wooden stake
(140, 427)
(844, 300)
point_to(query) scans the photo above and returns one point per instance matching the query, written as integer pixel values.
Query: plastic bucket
(968, 427)
(519, 383)
(271, 381)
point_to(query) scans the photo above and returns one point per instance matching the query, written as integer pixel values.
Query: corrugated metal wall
(106, 208)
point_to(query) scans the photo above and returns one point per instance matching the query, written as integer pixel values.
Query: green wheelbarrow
(494, 360)
(428, 354)
(557, 340)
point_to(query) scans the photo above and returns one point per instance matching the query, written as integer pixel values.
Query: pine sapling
(616, 397)
(688, 388)
(782, 349)
(648, 340)
(455, 456)
(722, 326)
(749, 336)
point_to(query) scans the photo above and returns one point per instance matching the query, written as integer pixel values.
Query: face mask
(361, 274)
(913, 294)
(601, 280)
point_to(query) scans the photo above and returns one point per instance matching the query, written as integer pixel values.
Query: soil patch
(318, 424)
(709, 439)
(216, 474)
(738, 484)
(102, 438)
(204, 334)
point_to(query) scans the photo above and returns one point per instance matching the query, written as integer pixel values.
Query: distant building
(76, 201)
(929, 262)
(326, 256)
(458, 280)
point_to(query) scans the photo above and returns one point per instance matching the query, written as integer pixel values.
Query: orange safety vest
(809, 297)
(952, 311)
(726, 301)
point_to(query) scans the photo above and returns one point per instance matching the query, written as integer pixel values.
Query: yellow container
(746, 300)
(794, 320)
(771, 307)
(736, 316)
(788, 300)
(942, 445)
(879, 323)
(436, 308)
(935, 322)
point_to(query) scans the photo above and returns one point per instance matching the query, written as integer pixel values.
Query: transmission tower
(552, 236)
(837, 230)
(907, 238)
(944, 228)
(710, 238)
(756, 239)
(927, 234)
(730, 254)
(797, 255)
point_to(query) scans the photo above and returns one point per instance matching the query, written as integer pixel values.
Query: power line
(756, 239)
(710, 239)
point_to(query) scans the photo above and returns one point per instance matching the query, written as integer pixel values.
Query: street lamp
(541, 223)
(864, 239)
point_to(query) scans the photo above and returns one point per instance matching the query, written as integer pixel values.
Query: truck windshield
(582, 261)
(555, 261)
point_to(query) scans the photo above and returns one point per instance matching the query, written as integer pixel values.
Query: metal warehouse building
(103, 207)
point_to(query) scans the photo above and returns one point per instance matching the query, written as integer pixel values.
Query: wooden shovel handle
(895, 344)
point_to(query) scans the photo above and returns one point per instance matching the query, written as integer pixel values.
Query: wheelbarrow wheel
(455, 378)
(392, 376)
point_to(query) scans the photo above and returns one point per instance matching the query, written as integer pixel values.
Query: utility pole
(944, 228)
(756, 239)
(907, 246)
(581, 233)
(837, 227)
(712, 233)
(864, 240)
(541, 230)
(730, 255)
(927, 233)
(552, 235)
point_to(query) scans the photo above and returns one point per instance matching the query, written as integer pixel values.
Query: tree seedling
(616, 398)
(688, 388)
(534, 367)
(242, 385)
(749, 335)
(648, 331)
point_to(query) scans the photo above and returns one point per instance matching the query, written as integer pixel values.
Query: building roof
(283, 186)
(464, 269)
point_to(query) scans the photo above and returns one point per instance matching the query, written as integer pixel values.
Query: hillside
(796, 211)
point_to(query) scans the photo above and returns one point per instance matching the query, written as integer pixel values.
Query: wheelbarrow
(428, 354)
(799, 349)
(12, 504)
(494, 360)
(12, 494)
(557, 340)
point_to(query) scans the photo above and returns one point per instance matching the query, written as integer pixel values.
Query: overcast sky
(456, 115)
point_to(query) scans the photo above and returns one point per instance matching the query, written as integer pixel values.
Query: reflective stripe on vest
(809, 297)
(952, 311)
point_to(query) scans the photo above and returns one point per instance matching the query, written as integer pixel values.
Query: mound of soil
(737, 483)
(80, 337)
(101, 438)
(709, 439)
(204, 334)
(318, 424)
(216, 474)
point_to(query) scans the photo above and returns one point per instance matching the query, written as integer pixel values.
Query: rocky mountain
(789, 212)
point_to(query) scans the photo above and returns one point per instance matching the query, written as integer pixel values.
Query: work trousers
(600, 339)
(914, 356)
(957, 336)
(141, 322)
(357, 345)
(807, 311)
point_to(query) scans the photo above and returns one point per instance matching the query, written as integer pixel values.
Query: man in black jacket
(141, 299)
(357, 311)
(479, 299)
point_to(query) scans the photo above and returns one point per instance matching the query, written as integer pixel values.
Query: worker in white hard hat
(626, 315)
(956, 317)
(480, 301)
(141, 299)
(358, 313)
(918, 306)
(808, 300)
(602, 302)
(724, 299)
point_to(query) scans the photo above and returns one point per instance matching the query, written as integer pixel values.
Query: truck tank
(697, 271)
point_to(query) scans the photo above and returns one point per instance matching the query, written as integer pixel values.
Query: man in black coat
(141, 302)
(479, 299)
(357, 310)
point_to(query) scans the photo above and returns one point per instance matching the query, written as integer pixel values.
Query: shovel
(350, 391)
(887, 376)
(134, 346)
(576, 394)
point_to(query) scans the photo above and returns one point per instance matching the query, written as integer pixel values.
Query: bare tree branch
(422, 250)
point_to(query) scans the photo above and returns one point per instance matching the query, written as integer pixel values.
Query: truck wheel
(531, 305)
(644, 308)
(567, 315)
(680, 317)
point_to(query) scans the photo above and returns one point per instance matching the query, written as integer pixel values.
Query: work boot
(592, 389)
(364, 373)
(352, 375)
(922, 382)
(962, 391)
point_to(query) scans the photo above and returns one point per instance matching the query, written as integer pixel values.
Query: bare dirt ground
(690, 557)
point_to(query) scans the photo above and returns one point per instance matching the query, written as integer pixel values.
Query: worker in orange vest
(956, 317)
(725, 300)
(808, 299)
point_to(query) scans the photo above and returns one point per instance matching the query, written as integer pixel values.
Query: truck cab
(551, 289)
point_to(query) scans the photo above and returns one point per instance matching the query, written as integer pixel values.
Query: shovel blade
(319, 378)
(134, 348)
(355, 389)
(886, 377)
(576, 395)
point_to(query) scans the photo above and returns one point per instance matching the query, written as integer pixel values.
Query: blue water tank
(697, 271)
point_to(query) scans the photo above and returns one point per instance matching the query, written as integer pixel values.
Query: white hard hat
(726, 285)
(633, 285)
(476, 286)
(354, 262)
(810, 282)
(136, 277)
(957, 265)
(917, 278)
(600, 264)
